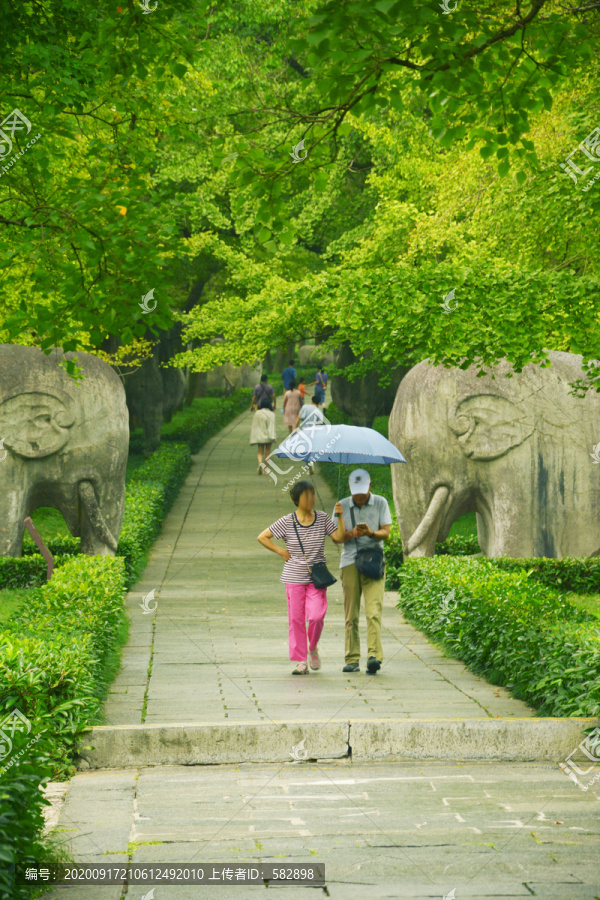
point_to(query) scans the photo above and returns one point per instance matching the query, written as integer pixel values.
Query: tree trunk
(363, 399)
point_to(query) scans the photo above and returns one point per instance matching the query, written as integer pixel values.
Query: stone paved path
(407, 830)
(216, 647)
(215, 651)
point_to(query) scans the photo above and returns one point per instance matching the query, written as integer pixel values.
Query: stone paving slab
(221, 607)
(415, 829)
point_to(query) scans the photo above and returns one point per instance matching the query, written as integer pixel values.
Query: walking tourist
(321, 380)
(310, 413)
(304, 534)
(260, 390)
(288, 375)
(363, 568)
(292, 404)
(262, 432)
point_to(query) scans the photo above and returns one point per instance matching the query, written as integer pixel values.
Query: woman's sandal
(301, 669)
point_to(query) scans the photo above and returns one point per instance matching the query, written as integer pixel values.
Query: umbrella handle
(338, 487)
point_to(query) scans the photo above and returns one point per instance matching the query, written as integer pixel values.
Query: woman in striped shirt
(305, 601)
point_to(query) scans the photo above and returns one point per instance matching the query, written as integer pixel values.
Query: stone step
(519, 740)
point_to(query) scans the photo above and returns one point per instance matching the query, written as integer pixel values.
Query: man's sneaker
(314, 660)
(301, 669)
(373, 665)
(351, 667)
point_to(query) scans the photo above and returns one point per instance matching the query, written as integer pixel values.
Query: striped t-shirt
(295, 570)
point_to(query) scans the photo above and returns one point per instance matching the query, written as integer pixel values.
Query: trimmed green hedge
(21, 815)
(54, 654)
(53, 650)
(198, 422)
(57, 652)
(579, 574)
(508, 627)
(460, 545)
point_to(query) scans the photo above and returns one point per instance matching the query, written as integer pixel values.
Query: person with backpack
(260, 390)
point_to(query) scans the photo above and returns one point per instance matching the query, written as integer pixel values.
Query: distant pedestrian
(363, 568)
(310, 413)
(262, 389)
(306, 531)
(302, 388)
(262, 432)
(288, 375)
(321, 380)
(311, 416)
(292, 404)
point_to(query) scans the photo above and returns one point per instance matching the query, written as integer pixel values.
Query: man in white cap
(363, 568)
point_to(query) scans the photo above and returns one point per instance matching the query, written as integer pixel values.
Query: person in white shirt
(370, 518)
(310, 412)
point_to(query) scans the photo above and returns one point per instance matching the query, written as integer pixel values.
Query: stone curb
(514, 740)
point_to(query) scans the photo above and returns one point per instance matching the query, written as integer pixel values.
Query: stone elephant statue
(518, 451)
(65, 444)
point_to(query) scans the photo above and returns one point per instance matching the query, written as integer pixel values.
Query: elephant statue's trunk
(428, 521)
(87, 495)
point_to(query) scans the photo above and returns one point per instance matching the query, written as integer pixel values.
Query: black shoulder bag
(370, 561)
(320, 575)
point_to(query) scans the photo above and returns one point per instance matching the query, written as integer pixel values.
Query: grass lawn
(10, 600)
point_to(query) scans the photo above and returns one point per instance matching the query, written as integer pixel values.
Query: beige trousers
(353, 583)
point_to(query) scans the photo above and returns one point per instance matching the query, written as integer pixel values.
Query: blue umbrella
(347, 444)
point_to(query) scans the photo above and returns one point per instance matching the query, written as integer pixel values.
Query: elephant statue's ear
(37, 424)
(488, 426)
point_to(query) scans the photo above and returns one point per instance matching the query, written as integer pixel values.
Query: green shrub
(459, 545)
(168, 467)
(198, 422)
(53, 670)
(57, 651)
(335, 414)
(508, 627)
(53, 650)
(579, 574)
(22, 571)
(21, 813)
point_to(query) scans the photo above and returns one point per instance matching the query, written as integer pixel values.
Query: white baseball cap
(359, 481)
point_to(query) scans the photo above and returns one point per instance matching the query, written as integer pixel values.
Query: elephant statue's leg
(96, 535)
(13, 510)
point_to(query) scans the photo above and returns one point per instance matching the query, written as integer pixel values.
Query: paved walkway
(408, 830)
(215, 650)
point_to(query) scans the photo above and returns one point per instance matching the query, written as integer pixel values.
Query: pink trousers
(305, 602)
